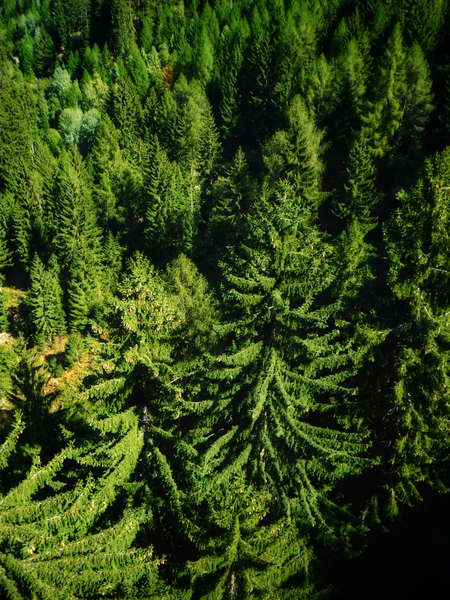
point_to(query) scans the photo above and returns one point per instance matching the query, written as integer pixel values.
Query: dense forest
(224, 292)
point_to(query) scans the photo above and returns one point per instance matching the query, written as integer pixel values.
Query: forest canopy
(224, 291)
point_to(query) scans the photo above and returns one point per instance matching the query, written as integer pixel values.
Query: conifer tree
(7, 363)
(417, 107)
(112, 258)
(45, 302)
(295, 154)
(256, 105)
(351, 74)
(127, 112)
(444, 105)
(409, 412)
(122, 25)
(139, 371)
(4, 325)
(383, 114)
(44, 54)
(60, 546)
(5, 254)
(359, 195)
(78, 239)
(16, 139)
(169, 209)
(242, 556)
(28, 220)
(5, 260)
(209, 149)
(232, 196)
(425, 22)
(283, 356)
(229, 104)
(28, 391)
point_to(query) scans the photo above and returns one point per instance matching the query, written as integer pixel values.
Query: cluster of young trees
(233, 218)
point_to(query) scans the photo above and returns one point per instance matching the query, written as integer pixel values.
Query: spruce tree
(383, 114)
(5, 254)
(351, 75)
(418, 100)
(4, 325)
(408, 409)
(229, 103)
(246, 553)
(122, 25)
(168, 205)
(283, 356)
(62, 546)
(78, 240)
(232, 196)
(256, 102)
(359, 195)
(44, 54)
(295, 154)
(45, 302)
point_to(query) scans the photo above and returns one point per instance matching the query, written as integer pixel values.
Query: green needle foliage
(45, 302)
(248, 555)
(55, 540)
(283, 355)
(224, 261)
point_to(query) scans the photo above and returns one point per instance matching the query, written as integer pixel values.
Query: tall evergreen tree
(232, 196)
(242, 556)
(295, 154)
(45, 302)
(283, 356)
(122, 19)
(408, 409)
(169, 207)
(417, 106)
(78, 240)
(384, 112)
(359, 195)
(229, 103)
(60, 546)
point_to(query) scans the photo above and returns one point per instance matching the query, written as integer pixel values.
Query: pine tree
(139, 371)
(425, 22)
(256, 102)
(112, 259)
(127, 112)
(169, 208)
(351, 74)
(5, 260)
(8, 361)
(444, 104)
(122, 16)
(5, 254)
(45, 302)
(283, 356)
(4, 325)
(29, 388)
(16, 136)
(209, 149)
